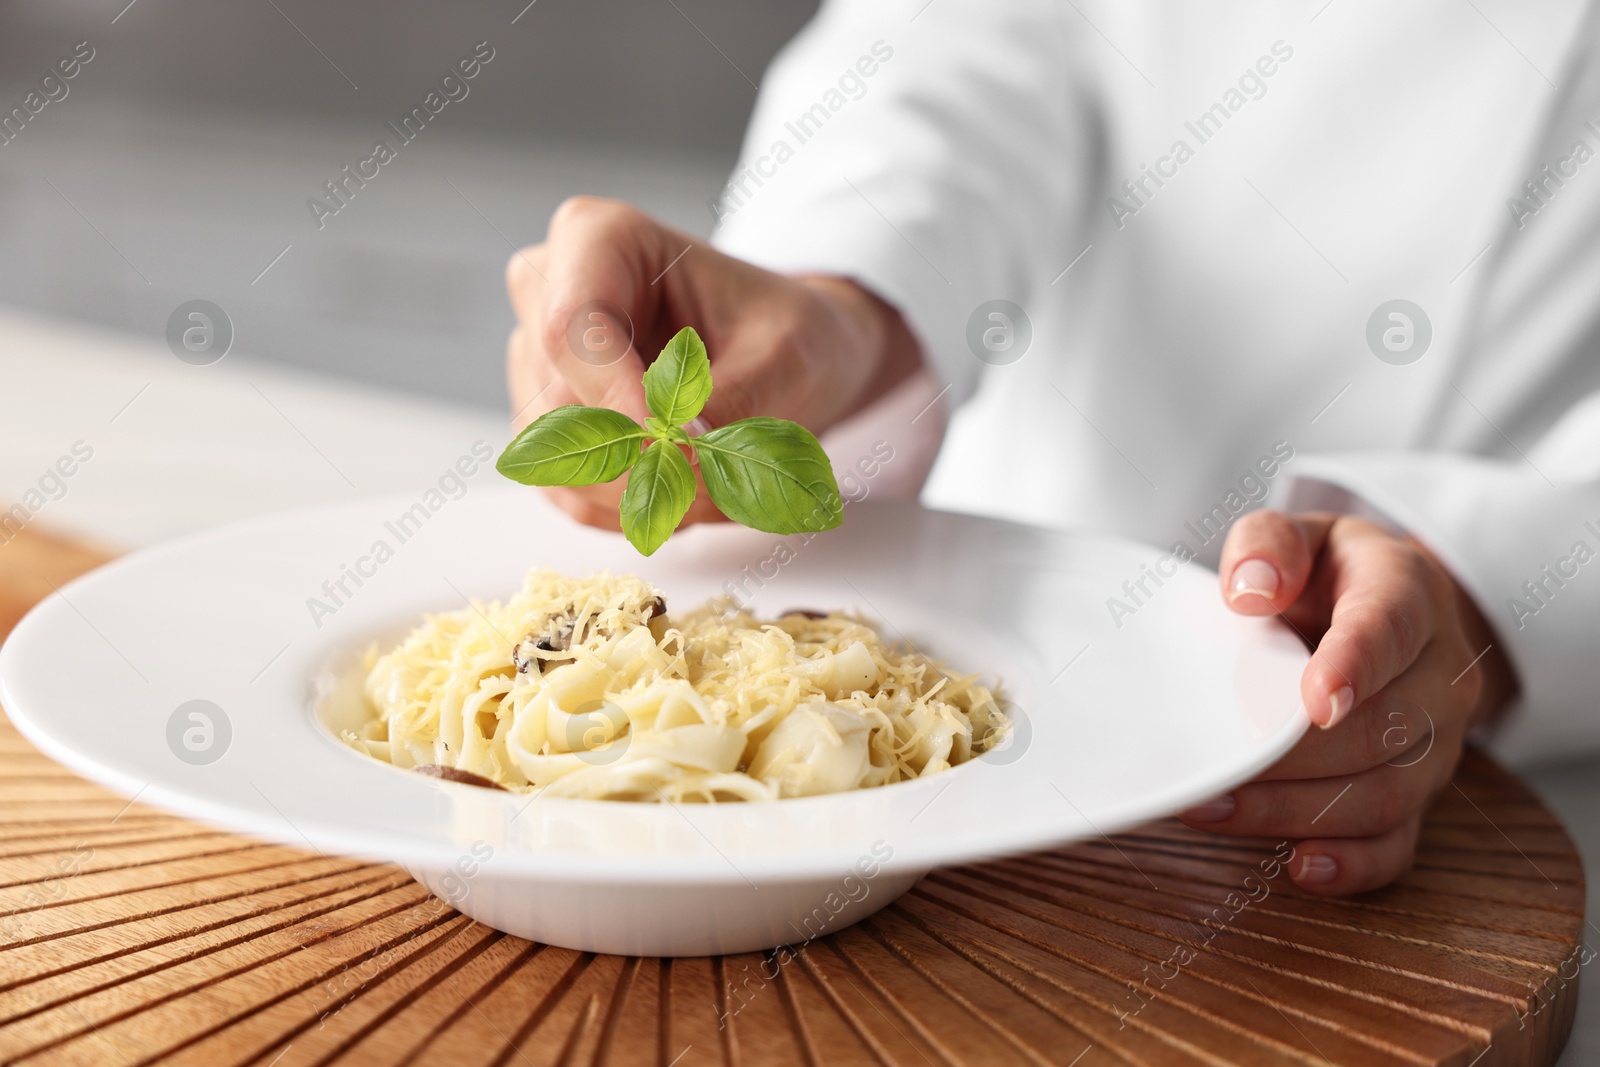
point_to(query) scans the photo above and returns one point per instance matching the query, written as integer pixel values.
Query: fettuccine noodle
(586, 687)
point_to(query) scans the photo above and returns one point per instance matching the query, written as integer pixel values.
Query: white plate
(1117, 724)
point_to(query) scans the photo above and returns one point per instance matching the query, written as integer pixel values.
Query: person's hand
(1398, 677)
(812, 349)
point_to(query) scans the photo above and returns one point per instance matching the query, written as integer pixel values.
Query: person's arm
(943, 155)
(933, 159)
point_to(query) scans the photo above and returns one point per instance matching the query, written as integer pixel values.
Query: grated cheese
(584, 687)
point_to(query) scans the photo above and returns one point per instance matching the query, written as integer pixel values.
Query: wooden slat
(128, 936)
(33, 565)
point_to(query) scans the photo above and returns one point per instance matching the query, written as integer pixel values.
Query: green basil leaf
(572, 445)
(660, 489)
(678, 383)
(770, 474)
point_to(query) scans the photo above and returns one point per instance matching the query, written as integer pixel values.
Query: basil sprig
(769, 474)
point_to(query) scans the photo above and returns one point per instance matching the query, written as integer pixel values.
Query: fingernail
(1254, 576)
(1317, 870)
(1340, 701)
(697, 426)
(1214, 810)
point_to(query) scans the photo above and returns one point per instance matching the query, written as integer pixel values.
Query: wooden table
(130, 936)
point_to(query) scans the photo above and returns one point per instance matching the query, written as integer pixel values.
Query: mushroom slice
(555, 637)
(454, 774)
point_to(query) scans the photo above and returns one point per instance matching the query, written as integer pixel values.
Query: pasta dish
(588, 687)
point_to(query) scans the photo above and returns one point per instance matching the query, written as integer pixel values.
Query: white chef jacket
(1204, 212)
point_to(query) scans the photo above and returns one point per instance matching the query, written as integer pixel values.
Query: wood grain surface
(128, 936)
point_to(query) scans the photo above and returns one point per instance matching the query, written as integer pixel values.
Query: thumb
(1267, 560)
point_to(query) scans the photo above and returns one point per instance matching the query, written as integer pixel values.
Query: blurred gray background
(179, 164)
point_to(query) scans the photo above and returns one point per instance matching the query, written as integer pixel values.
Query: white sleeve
(939, 153)
(1522, 537)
